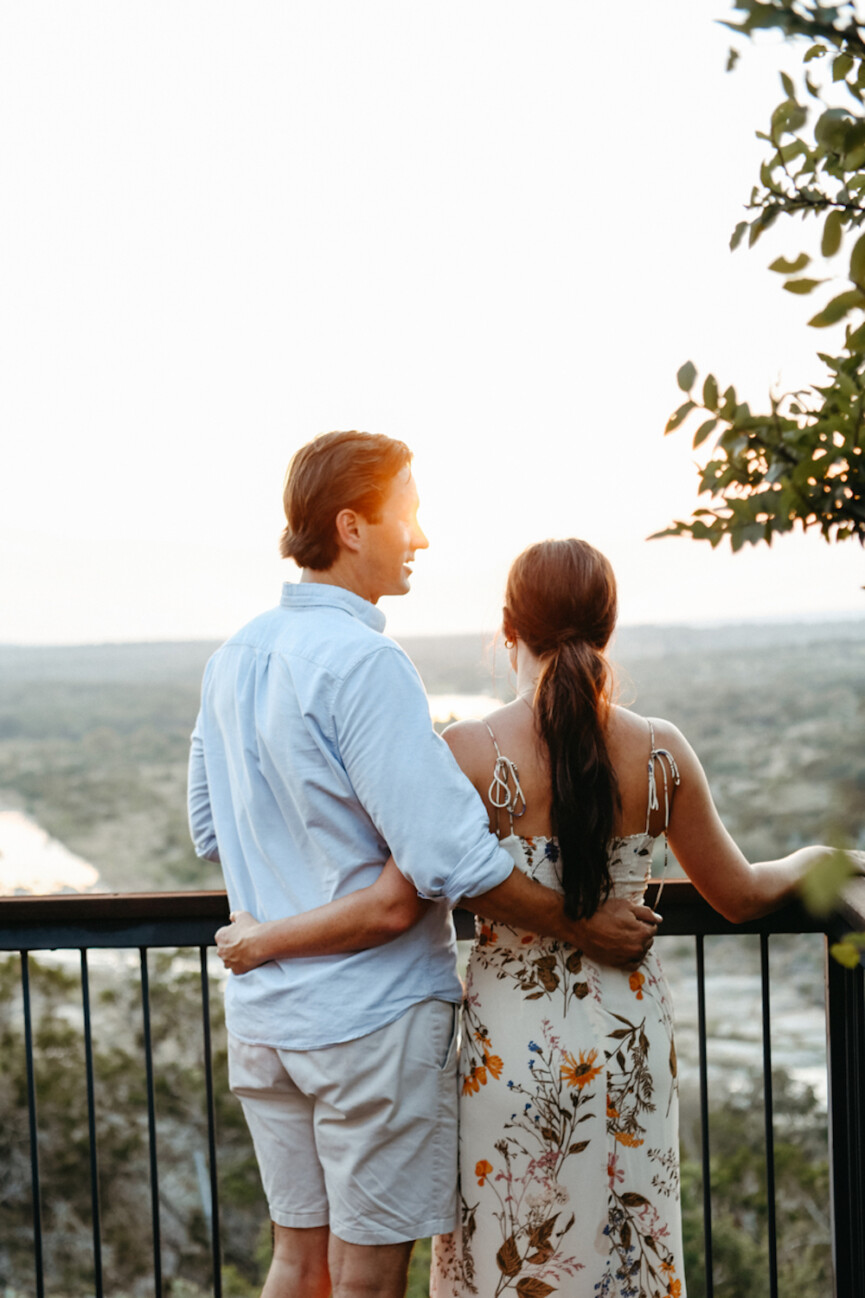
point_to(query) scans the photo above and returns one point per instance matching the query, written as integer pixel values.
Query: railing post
(845, 1027)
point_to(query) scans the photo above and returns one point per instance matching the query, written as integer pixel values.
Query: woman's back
(629, 742)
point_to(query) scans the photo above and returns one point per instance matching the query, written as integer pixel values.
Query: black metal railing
(142, 922)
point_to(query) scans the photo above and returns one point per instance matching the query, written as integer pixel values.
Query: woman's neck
(528, 669)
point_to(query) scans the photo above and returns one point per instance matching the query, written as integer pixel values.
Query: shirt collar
(313, 594)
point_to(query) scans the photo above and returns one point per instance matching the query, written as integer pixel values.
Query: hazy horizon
(826, 620)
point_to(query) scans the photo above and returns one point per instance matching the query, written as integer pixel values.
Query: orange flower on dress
(482, 1170)
(494, 1064)
(528, 939)
(675, 1289)
(625, 1138)
(582, 1072)
(488, 935)
(635, 982)
(611, 1112)
(477, 1077)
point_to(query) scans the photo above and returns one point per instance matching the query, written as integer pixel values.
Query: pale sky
(494, 230)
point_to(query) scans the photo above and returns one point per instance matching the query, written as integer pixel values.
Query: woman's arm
(737, 888)
(369, 917)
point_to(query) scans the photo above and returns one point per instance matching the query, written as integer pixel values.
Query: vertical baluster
(768, 1119)
(845, 1028)
(151, 1124)
(34, 1145)
(91, 1122)
(211, 1127)
(704, 1116)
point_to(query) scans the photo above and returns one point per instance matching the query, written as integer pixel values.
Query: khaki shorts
(360, 1136)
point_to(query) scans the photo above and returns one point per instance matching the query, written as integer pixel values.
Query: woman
(569, 1136)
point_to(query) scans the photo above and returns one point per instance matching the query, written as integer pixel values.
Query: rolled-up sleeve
(198, 802)
(408, 782)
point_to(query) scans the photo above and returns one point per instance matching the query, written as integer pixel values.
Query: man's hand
(236, 942)
(619, 933)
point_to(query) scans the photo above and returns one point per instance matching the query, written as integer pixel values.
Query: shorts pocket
(449, 1055)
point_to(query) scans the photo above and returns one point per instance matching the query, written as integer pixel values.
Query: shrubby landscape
(94, 741)
(93, 745)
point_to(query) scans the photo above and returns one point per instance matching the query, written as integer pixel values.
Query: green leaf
(802, 285)
(789, 88)
(837, 308)
(679, 416)
(846, 952)
(736, 236)
(821, 884)
(767, 218)
(705, 430)
(832, 230)
(857, 262)
(686, 376)
(841, 66)
(815, 52)
(710, 392)
(785, 267)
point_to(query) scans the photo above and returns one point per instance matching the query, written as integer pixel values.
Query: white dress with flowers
(569, 1161)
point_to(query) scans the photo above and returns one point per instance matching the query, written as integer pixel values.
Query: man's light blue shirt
(313, 757)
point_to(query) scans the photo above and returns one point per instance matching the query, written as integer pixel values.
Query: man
(313, 757)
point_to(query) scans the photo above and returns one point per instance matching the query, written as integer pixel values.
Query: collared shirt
(312, 759)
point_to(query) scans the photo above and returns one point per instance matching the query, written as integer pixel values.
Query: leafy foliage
(802, 461)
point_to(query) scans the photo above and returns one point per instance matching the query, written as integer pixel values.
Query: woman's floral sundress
(569, 1162)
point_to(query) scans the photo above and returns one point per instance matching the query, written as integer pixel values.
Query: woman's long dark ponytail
(561, 602)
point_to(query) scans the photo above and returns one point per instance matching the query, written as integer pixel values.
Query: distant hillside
(450, 664)
(94, 739)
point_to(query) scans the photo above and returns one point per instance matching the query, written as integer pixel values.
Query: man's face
(389, 545)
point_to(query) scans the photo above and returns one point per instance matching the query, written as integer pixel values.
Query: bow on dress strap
(505, 792)
(670, 773)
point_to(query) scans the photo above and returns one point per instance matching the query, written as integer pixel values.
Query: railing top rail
(71, 920)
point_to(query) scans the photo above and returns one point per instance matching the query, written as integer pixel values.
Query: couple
(346, 828)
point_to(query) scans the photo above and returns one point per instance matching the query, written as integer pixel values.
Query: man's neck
(338, 574)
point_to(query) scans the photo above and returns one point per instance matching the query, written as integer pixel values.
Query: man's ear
(347, 524)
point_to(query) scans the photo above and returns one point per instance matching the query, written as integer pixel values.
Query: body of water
(32, 861)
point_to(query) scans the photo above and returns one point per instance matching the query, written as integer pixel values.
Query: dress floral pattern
(569, 1159)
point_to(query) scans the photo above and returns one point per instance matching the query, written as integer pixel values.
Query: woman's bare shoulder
(632, 725)
(632, 730)
(461, 734)
(471, 745)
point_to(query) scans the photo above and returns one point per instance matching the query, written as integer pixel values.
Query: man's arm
(198, 803)
(435, 823)
(377, 914)
(368, 917)
(619, 933)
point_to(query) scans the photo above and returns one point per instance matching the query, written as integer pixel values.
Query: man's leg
(368, 1270)
(280, 1121)
(299, 1265)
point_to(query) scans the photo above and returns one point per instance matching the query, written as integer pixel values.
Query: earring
(509, 644)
